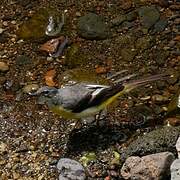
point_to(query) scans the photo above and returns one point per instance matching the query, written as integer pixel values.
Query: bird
(81, 100)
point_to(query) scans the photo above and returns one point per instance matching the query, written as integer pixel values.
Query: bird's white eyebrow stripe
(97, 91)
(96, 86)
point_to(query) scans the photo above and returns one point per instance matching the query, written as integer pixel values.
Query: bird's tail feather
(136, 83)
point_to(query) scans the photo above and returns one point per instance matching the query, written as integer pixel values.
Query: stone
(149, 15)
(35, 27)
(92, 26)
(174, 105)
(70, 169)
(154, 166)
(159, 98)
(128, 54)
(144, 43)
(175, 170)
(158, 140)
(178, 147)
(160, 56)
(160, 25)
(23, 60)
(1, 30)
(3, 147)
(3, 67)
(30, 88)
(119, 20)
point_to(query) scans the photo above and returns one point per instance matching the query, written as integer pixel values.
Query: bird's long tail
(136, 83)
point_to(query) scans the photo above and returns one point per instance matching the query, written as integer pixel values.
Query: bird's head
(45, 91)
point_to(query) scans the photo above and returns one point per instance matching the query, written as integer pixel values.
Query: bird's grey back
(69, 96)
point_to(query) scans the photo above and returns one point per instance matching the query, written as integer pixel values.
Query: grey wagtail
(82, 100)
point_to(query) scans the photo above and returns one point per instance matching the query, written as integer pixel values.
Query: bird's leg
(98, 117)
(77, 125)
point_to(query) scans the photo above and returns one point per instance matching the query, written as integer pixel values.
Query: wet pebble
(92, 26)
(35, 27)
(174, 105)
(160, 25)
(159, 98)
(70, 169)
(3, 67)
(118, 20)
(1, 30)
(23, 60)
(2, 80)
(3, 148)
(30, 88)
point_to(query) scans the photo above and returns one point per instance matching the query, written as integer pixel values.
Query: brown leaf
(51, 45)
(177, 38)
(49, 78)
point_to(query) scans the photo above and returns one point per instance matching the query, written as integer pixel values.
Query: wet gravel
(33, 139)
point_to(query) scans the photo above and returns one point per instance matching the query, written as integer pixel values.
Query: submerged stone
(36, 27)
(160, 25)
(174, 105)
(81, 75)
(92, 26)
(148, 16)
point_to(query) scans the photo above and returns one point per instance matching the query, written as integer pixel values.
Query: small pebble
(1, 30)
(3, 67)
(30, 88)
(78, 14)
(159, 98)
(13, 22)
(5, 23)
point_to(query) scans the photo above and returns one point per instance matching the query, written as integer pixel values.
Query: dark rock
(148, 16)
(24, 3)
(92, 26)
(154, 166)
(160, 56)
(128, 54)
(174, 105)
(160, 25)
(23, 60)
(163, 3)
(159, 140)
(144, 43)
(119, 20)
(4, 37)
(131, 16)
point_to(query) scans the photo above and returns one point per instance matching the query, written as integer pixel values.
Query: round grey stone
(70, 169)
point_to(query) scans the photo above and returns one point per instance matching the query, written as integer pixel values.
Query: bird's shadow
(94, 137)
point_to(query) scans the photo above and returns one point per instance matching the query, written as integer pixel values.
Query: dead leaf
(177, 38)
(49, 78)
(104, 68)
(51, 45)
